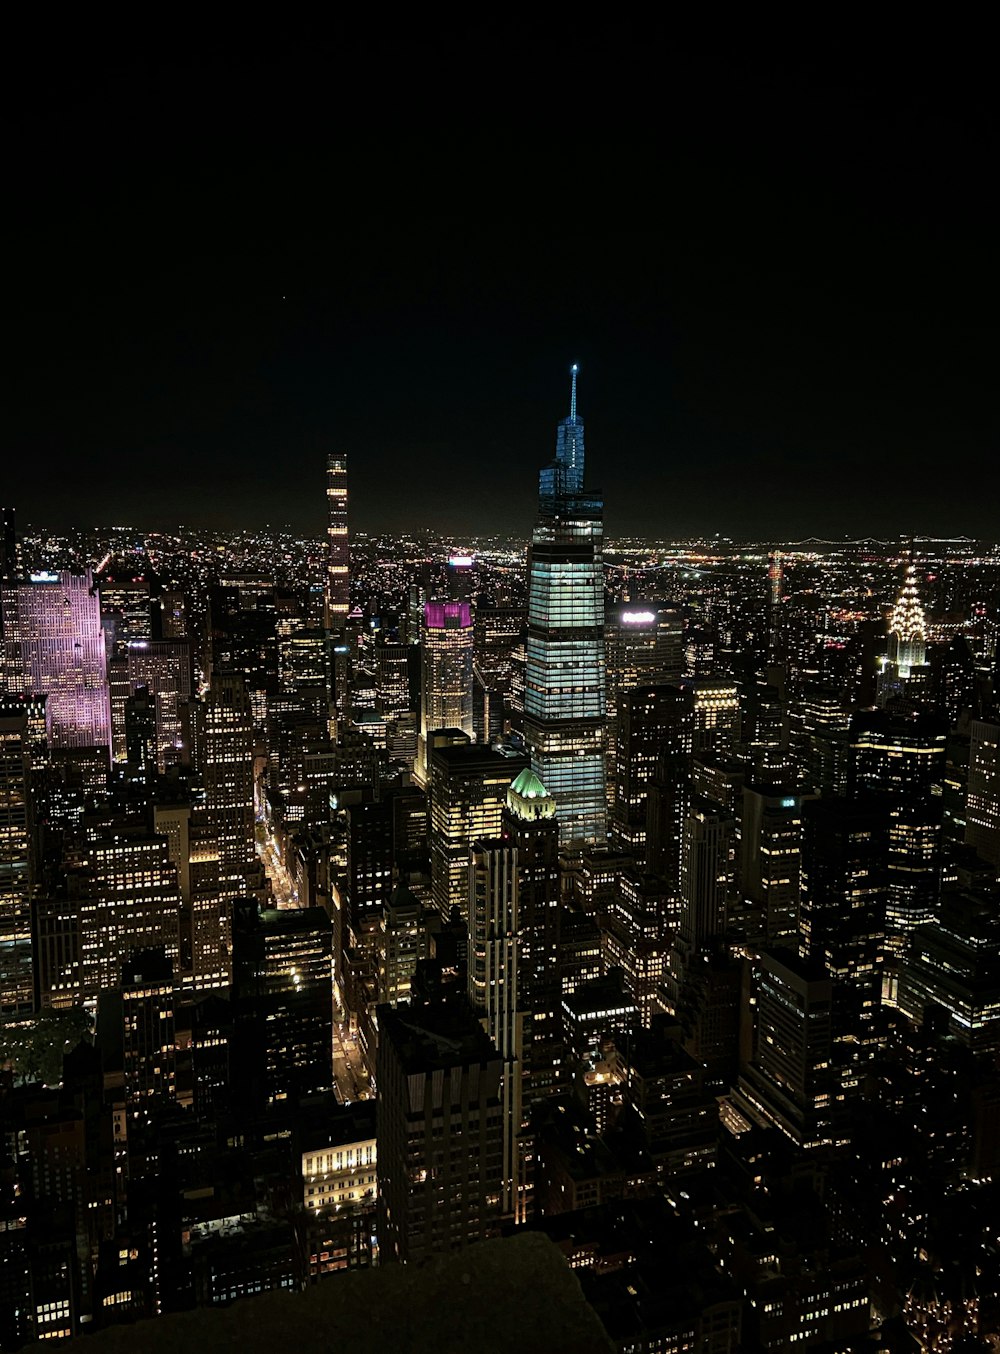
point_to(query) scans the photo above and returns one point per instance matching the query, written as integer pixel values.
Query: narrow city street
(285, 893)
(350, 1074)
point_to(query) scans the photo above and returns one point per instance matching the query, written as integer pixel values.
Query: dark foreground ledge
(515, 1294)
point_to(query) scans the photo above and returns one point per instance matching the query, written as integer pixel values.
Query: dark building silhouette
(439, 1129)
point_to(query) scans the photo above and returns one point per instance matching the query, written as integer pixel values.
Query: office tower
(392, 679)
(494, 959)
(378, 833)
(913, 862)
(303, 654)
(955, 788)
(226, 752)
(446, 675)
(529, 825)
(982, 830)
(656, 734)
(579, 950)
(126, 615)
(140, 735)
(283, 995)
(174, 615)
(439, 1128)
(55, 943)
(210, 912)
(954, 964)
(643, 642)
(716, 715)
(119, 690)
(337, 590)
(898, 760)
(462, 576)
(706, 874)
(54, 646)
(597, 1013)
(763, 744)
(895, 756)
(677, 1116)
(399, 945)
(487, 709)
(789, 1082)
(132, 902)
(163, 666)
(16, 992)
(147, 993)
(697, 988)
(637, 928)
(842, 912)
(468, 791)
(499, 656)
(564, 707)
(771, 846)
(956, 679)
(206, 914)
(819, 724)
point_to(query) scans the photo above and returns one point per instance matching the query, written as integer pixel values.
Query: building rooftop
(435, 1035)
(529, 786)
(327, 1124)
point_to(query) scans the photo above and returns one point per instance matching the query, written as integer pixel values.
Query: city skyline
(396, 861)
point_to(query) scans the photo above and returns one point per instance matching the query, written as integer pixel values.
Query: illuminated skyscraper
(54, 646)
(529, 825)
(771, 837)
(164, 667)
(494, 955)
(15, 865)
(206, 939)
(643, 642)
(283, 995)
(789, 1080)
(654, 761)
(898, 760)
(148, 1028)
(907, 624)
(133, 902)
(337, 548)
(904, 672)
(446, 675)
(983, 808)
(842, 915)
(468, 792)
(226, 752)
(564, 708)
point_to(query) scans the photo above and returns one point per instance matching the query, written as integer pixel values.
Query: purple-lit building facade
(446, 674)
(53, 645)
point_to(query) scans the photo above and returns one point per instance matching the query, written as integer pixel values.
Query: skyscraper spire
(908, 622)
(569, 444)
(564, 706)
(903, 671)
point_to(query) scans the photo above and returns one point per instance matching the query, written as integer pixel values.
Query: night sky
(776, 266)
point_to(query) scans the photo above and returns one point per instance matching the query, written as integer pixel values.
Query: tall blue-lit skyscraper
(564, 707)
